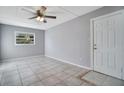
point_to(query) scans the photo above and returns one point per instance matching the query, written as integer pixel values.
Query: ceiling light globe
(38, 18)
(41, 19)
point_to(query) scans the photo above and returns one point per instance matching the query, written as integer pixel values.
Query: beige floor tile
(30, 80)
(1, 73)
(110, 81)
(70, 71)
(10, 73)
(81, 73)
(39, 83)
(95, 77)
(51, 81)
(61, 84)
(73, 81)
(101, 79)
(38, 71)
(11, 81)
(26, 74)
(86, 84)
(62, 76)
(43, 75)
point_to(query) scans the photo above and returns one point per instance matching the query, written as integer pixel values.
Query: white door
(109, 45)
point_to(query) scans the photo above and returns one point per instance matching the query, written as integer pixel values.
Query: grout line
(66, 64)
(84, 74)
(1, 79)
(92, 84)
(19, 75)
(31, 75)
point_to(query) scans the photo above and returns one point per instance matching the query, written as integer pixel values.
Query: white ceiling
(14, 15)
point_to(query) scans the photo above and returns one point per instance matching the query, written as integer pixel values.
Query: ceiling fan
(40, 14)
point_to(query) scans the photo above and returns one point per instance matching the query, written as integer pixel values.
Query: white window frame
(23, 33)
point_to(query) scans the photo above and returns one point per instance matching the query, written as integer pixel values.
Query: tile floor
(102, 79)
(41, 71)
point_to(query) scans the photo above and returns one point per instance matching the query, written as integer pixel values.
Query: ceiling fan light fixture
(38, 18)
(41, 16)
(41, 19)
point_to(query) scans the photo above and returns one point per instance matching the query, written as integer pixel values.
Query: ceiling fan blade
(54, 12)
(33, 17)
(53, 17)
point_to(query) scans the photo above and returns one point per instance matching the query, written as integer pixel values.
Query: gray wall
(0, 41)
(71, 41)
(7, 44)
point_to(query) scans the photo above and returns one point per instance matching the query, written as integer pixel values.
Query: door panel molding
(92, 37)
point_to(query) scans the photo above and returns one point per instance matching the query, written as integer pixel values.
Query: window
(24, 38)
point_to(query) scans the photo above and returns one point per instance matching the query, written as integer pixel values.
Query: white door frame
(92, 34)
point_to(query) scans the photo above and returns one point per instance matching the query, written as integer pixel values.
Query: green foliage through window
(24, 38)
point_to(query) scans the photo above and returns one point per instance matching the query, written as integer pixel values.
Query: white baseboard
(64, 61)
(20, 58)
